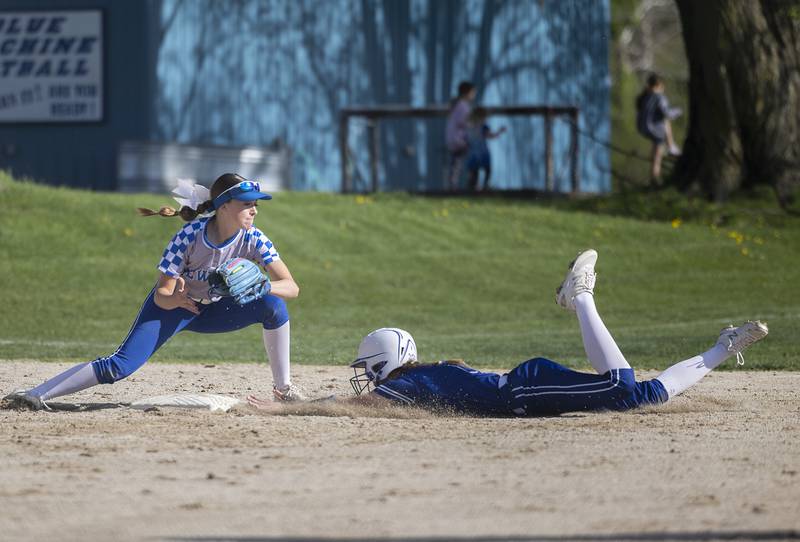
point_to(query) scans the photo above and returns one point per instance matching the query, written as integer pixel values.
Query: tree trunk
(744, 96)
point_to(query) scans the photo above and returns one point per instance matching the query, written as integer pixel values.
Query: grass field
(470, 277)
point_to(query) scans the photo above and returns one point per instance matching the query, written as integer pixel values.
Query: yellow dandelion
(745, 252)
(676, 223)
(736, 236)
(361, 200)
(127, 232)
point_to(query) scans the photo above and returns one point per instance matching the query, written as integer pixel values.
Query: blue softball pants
(543, 387)
(153, 326)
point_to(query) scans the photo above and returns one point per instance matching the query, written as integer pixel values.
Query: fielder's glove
(239, 278)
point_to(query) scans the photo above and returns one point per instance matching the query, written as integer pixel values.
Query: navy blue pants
(154, 326)
(541, 386)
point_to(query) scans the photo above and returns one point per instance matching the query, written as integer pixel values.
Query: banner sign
(51, 66)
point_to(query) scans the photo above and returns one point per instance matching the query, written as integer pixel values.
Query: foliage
(629, 65)
(745, 98)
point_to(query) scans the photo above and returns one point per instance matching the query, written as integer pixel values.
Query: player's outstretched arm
(328, 406)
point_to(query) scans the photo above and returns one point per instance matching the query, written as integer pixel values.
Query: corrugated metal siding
(84, 155)
(249, 72)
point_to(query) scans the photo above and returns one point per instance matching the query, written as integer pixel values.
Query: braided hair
(223, 183)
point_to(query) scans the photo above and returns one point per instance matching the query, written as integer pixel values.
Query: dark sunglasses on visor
(244, 191)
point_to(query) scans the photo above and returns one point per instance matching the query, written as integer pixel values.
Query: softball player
(182, 300)
(387, 361)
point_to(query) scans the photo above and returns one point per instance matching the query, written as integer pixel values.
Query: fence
(373, 115)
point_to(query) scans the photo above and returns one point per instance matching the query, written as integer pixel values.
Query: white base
(208, 401)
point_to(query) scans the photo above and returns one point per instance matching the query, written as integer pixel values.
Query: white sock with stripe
(602, 351)
(687, 373)
(70, 381)
(276, 343)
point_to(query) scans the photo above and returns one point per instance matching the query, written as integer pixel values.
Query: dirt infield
(722, 461)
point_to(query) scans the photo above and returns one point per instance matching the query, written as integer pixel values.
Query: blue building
(261, 73)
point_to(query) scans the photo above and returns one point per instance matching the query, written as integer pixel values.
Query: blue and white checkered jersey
(450, 387)
(191, 254)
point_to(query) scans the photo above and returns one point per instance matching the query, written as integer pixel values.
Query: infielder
(183, 299)
(387, 361)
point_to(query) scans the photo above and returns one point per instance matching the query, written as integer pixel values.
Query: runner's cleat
(580, 279)
(736, 339)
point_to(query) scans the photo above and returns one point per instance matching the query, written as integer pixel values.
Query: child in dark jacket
(653, 116)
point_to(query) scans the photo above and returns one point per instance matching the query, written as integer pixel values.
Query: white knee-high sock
(276, 343)
(72, 380)
(602, 351)
(687, 373)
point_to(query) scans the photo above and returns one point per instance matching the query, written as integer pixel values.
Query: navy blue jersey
(448, 386)
(536, 387)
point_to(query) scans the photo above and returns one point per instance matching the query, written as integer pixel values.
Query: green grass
(470, 278)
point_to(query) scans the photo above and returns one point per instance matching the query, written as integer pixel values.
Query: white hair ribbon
(190, 194)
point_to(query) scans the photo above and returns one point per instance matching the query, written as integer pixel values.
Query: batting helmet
(380, 353)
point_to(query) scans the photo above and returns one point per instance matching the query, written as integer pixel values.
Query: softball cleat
(289, 394)
(580, 279)
(736, 339)
(24, 400)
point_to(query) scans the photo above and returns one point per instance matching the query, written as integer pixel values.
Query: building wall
(257, 70)
(84, 154)
(253, 72)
